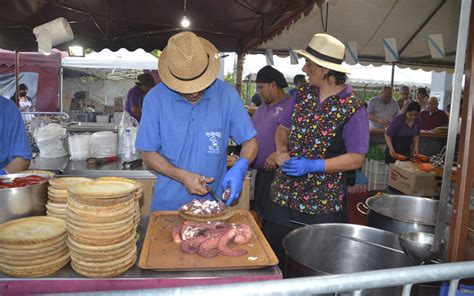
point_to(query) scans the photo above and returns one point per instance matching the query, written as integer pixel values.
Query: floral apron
(312, 132)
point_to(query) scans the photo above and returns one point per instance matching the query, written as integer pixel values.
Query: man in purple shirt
(276, 103)
(135, 95)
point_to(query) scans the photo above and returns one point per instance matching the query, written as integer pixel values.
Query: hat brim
(322, 63)
(195, 85)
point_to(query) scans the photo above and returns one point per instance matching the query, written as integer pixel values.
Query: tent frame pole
(465, 174)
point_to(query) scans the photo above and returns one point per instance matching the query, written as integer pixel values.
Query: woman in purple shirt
(402, 132)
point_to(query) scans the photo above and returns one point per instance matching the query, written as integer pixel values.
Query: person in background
(382, 109)
(186, 125)
(422, 98)
(402, 133)
(276, 103)
(432, 117)
(299, 80)
(256, 100)
(326, 135)
(404, 98)
(135, 96)
(15, 151)
(25, 102)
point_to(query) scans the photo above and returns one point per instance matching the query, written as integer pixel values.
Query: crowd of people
(404, 120)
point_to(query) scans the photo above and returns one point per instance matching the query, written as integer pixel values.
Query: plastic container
(376, 185)
(127, 145)
(79, 147)
(103, 144)
(378, 167)
(102, 118)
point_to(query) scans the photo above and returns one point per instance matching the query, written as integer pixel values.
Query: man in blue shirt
(186, 123)
(15, 151)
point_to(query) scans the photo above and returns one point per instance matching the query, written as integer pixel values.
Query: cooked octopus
(211, 238)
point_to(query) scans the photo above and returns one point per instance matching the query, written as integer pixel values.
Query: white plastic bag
(49, 139)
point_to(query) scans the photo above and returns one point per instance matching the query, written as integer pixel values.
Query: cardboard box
(413, 182)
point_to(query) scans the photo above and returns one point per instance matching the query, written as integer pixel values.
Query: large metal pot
(324, 249)
(404, 213)
(23, 201)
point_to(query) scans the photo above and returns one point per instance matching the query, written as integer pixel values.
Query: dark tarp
(232, 25)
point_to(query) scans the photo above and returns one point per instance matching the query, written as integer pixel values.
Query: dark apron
(402, 145)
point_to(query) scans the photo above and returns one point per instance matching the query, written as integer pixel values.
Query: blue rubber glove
(3, 172)
(299, 166)
(234, 178)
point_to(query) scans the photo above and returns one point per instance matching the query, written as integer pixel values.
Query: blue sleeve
(241, 127)
(18, 144)
(148, 136)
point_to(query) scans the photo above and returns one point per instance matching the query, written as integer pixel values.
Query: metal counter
(67, 280)
(67, 167)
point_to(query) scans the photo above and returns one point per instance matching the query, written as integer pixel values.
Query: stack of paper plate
(57, 195)
(101, 227)
(33, 246)
(138, 196)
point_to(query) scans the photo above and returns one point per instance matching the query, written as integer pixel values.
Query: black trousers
(263, 183)
(282, 220)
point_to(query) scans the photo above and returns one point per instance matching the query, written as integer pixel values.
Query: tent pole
(61, 76)
(393, 75)
(17, 77)
(240, 70)
(465, 174)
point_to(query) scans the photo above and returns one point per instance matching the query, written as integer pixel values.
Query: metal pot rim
(376, 197)
(20, 175)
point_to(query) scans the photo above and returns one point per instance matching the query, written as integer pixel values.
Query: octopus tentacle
(224, 249)
(244, 234)
(191, 246)
(208, 248)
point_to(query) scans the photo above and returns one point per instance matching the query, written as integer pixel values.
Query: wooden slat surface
(159, 252)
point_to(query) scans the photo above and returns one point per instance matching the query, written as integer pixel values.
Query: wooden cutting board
(159, 252)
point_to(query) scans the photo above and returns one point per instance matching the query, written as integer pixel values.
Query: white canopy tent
(117, 72)
(368, 22)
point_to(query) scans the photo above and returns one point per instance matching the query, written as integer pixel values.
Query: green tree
(156, 53)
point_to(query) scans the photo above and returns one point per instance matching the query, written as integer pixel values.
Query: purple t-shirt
(400, 128)
(265, 120)
(134, 99)
(356, 131)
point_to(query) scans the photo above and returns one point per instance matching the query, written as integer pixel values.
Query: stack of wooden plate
(33, 246)
(138, 196)
(101, 227)
(57, 195)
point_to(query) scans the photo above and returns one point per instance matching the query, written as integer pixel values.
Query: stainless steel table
(67, 280)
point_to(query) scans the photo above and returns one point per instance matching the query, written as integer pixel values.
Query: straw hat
(325, 51)
(189, 63)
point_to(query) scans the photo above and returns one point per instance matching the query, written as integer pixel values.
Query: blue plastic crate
(463, 290)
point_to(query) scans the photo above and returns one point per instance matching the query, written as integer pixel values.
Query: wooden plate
(159, 252)
(65, 182)
(31, 230)
(102, 189)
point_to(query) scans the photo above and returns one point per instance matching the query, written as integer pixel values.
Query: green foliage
(376, 153)
(230, 78)
(156, 53)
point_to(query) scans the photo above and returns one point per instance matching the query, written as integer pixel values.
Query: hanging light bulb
(185, 22)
